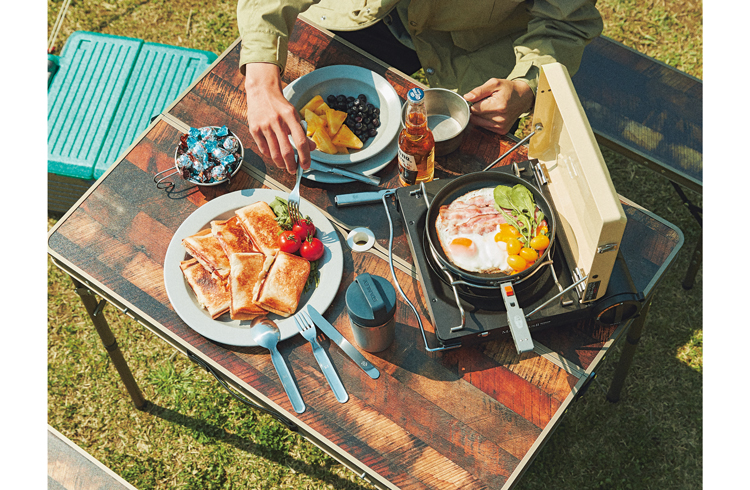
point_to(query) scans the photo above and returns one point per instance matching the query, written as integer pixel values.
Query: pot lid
(370, 300)
(591, 219)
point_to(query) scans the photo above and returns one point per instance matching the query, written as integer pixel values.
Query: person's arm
(271, 118)
(265, 28)
(557, 32)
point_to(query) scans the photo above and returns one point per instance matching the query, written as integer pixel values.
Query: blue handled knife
(341, 341)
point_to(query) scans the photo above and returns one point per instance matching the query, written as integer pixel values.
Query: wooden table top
(473, 417)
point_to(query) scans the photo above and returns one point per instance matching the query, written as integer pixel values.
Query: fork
(307, 328)
(293, 199)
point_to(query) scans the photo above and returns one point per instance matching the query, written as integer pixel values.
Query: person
(488, 50)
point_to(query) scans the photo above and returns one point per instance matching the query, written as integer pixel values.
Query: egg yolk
(463, 246)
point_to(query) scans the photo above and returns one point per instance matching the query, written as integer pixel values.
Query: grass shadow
(218, 434)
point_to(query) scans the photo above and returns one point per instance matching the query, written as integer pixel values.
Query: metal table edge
(661, 271)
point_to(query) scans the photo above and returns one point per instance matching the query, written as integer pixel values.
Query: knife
(341, 341)
(321, 167)
(356, 198)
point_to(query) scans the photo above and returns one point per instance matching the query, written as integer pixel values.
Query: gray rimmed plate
(235, 332)
(351, 81)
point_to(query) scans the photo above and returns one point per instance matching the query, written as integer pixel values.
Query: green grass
(197, 436)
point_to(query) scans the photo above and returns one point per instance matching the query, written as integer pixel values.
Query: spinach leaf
(502, 197)
(520, 200)
(523, 199)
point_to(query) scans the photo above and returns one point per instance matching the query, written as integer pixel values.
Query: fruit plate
(351, 81)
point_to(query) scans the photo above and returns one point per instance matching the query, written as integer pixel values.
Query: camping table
(473, 417)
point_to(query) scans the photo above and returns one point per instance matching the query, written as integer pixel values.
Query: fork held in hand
(293, 200)
(307, 328)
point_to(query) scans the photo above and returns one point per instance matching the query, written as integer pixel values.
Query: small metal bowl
(447, 118)
(161, 180)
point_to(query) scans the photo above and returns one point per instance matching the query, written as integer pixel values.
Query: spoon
(266, 334)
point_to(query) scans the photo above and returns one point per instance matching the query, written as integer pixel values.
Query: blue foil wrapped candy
(218, 173)
(184, 162)
(231, 144)
(208, 155)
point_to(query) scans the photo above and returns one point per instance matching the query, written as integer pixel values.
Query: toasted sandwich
(259, 221)
(232, 236)
(209, 291)
(247, 270)
(205, 248)
(283, 285)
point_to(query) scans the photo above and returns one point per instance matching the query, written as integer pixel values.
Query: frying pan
(480, 180)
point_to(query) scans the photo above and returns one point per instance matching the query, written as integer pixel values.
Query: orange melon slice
(313, 104)
(323, 141)
(314, 122)
(335, 120)
(345, 137)
(321, 109)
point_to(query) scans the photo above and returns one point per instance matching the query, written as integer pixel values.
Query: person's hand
(271, 118)
(498, 103)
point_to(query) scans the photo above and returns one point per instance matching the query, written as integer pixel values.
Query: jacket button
(412, 23)
(429, 71)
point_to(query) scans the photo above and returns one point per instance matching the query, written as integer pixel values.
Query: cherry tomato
(513, 246)
(312, 249)
(539, 242)
(288, 242)
(504, 235)
(517, 263)
(528, 254)
(542, 230)
(303, 229)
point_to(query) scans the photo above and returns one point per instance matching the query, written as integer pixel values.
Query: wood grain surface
(468, 418)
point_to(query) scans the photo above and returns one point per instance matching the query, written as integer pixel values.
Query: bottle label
(407, 161)
(407, 167)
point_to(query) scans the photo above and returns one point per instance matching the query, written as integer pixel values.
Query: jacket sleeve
(558, 31)
(265, 26)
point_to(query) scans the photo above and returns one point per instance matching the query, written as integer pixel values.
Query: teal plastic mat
(104, 94)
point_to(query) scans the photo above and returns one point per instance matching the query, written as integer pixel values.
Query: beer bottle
(416, 145)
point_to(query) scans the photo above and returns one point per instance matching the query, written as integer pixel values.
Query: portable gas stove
(462, 314)
(582, 276)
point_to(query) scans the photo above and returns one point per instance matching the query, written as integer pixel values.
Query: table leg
(628, 351)
(695, 263)
(110, 343)
(697, 257)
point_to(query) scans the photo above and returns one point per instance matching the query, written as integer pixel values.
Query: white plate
(368, 167)
(235, 332)
(351, 81)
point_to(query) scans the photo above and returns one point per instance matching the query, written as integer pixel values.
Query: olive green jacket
(461, 45)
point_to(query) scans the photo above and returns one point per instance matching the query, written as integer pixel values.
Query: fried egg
(471, 251)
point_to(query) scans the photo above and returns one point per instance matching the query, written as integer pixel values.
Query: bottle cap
(370, 300)
(415, 94)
